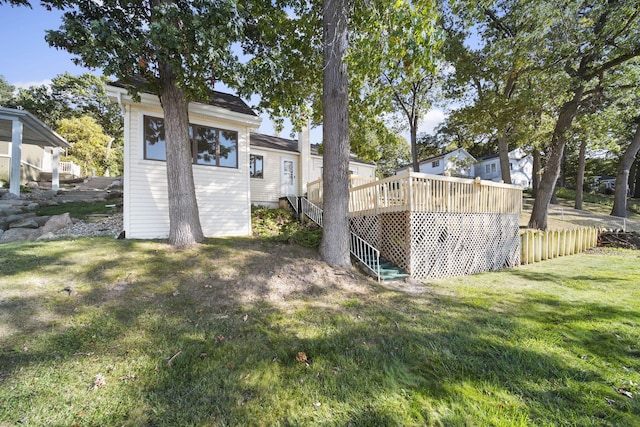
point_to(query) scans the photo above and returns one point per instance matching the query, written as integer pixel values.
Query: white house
(455, 163)
(233, 166)
(220, 146)
(28, 148)
(520, 164)
(283, 167)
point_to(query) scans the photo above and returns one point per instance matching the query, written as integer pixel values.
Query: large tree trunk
(413, 125)
(537, 166)
(184, 219)
(622, 177)
(580, 175)
(503, 154)
(636, 192)
(334, 247)
(539, 214)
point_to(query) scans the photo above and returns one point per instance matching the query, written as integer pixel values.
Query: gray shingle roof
(217, 99)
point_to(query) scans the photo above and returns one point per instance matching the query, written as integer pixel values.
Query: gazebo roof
(34, 131)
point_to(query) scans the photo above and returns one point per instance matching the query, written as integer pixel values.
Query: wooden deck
(419, 192)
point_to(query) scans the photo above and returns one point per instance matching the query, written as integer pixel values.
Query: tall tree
(68, 97)
(334, 246)
(173, 48)
(395, 56)
(622, 177)
(583, 42)
(89, 144)
(6, 91)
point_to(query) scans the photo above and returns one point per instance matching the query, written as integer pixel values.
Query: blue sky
(26, 59)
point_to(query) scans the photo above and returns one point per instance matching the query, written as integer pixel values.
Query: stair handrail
(362, 250)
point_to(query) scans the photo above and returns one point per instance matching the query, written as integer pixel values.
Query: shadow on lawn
(234, 330)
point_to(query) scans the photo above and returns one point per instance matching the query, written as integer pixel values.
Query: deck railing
(314, 188)
(411, 191)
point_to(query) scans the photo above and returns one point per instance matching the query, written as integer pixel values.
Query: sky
(26, 59)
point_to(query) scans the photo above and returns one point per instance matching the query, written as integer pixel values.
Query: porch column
(55, 171)
(16, 157)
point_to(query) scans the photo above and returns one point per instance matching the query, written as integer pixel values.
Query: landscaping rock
(11, 211)
(33, 206)
(19, 235)
(24, 223)
(19, 217)
(46, 236)
(57, 222)
(1, 233)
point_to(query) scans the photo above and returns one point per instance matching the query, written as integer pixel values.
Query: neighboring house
(520, 163)
(606, 183)
(28, 149)
(233, 167)
(454, 163)
(283, 167)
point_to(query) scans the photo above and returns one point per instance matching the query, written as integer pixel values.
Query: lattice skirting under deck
(439, 244)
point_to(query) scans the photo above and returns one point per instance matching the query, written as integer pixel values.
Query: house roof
(275, 142)
(438, 156)
(34, 132)
(217, 99)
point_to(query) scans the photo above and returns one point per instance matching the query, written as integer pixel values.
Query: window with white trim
(435, 163)
(256, 166)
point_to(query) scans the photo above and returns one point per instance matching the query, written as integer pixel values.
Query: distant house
(233, 166)
(454, 163)
(28, 149)
(520, 164)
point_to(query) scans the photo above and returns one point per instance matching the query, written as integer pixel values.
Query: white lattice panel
(456, 244)
(440, 244)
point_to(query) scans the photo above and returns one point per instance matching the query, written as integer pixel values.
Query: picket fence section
(540, 245)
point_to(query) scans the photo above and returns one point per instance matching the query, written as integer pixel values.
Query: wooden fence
(540, 245)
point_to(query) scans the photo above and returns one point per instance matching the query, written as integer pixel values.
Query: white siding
(222, 193)
(267, 191)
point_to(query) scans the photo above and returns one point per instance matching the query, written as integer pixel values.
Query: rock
(4, 225)
(32, 185)
(24, 223)
(57, 222)
(33, 206)
(41, 220)
(11, 211)
(10, 196)
(1, 233)
(47, 236)
(115, 183)
(19, 235)
(19, 217)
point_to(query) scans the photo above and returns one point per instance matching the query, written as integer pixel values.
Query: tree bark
(413, 125)
(622, 177)
(636, 192)
(537, 165)
(503, 153)
(539, 214)
(334, 246)
(184, 218)
(580, 175)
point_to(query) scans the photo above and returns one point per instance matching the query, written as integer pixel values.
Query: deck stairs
(366, 255)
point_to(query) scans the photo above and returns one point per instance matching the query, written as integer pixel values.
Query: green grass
(550, 344)
(78, 210)
(598, 202)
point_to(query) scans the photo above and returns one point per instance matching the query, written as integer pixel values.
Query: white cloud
(26, 85)
(430, 121)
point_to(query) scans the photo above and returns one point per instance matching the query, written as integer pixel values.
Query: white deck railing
(70, 168)
(364, 252)
(411, 191)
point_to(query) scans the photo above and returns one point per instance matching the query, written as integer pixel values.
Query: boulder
(57, 222)
(4, 225)
(24, 223)
(33, 206)
(19, 217)
(19, 235)
(46, 236)
(11, 211)
(41, 220)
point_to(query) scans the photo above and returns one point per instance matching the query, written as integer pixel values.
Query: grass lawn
(244, 332)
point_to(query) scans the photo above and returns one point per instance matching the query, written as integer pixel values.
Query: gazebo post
(55, 174)
(16, 157)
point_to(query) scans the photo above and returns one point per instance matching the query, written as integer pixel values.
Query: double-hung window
(209, 146)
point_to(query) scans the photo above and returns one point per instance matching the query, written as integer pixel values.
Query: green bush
(280, 225)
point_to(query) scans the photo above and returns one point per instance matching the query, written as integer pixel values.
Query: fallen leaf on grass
(100, 381)
(625, 393)
(303, 358)
(245, 317)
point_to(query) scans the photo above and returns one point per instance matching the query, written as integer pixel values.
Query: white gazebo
(19, 127)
